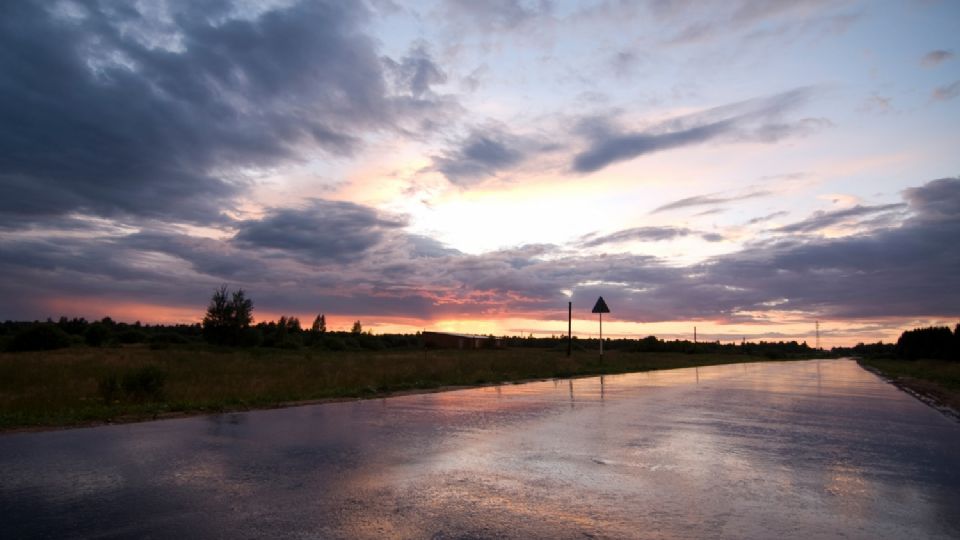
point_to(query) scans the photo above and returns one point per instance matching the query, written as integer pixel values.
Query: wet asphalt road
(813, 449)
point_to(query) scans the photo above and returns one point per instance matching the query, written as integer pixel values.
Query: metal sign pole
(601, 307)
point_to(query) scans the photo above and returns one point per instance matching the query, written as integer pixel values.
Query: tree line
(932, 342)
(229, 322)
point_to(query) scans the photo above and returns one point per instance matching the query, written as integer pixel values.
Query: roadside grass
(938, 379)
(82, 386)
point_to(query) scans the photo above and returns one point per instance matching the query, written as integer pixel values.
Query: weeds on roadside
(139, 385)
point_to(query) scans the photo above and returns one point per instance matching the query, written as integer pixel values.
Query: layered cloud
(152, 151)
(323, 230)
(709, 200)
(332, 256)
(645, 234)
(755, 120)
(823, 220)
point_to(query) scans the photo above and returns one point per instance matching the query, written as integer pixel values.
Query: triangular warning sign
(600, 306)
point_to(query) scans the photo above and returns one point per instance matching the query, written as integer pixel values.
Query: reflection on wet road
(812, 449)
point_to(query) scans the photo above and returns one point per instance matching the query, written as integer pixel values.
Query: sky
(745, 167)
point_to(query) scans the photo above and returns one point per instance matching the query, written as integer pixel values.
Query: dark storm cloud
(323, 230)
(482, 154)
(751, 120)
(110, 111)
(933, 58)
(708, 200)
(822, 220)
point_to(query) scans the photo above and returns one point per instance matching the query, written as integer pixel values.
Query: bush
(251, 337)
(163, 341)
(140, 384)
(39, 337)
(144, 384)
(289, 343)
(132, 336)
(96, 334)
(109, 388)
(333, 343)
(372, 343)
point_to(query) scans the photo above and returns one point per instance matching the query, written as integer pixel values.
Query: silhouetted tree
(357, 329)
(228, 316)
(243, 310)
(74, 326)
(319, 324)
(931, 342)
(956, 342)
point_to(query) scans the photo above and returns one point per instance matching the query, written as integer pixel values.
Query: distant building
(447, 340)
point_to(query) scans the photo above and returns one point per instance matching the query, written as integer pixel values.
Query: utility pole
(694, 335)
(818, 335)
(569, 328)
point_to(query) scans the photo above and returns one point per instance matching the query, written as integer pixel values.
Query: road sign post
(600, 308)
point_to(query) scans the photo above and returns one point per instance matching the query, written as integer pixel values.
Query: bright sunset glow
(744, 167)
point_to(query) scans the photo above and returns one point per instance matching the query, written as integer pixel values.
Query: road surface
(812, 449)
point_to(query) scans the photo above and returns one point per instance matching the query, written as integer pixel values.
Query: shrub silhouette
(144, 383)
(97, 334)
(132, 336)
(334, 343)
(39, 337)
(165, 340)
(139, 385)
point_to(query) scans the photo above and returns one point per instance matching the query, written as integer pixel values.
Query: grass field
(938, 379)
(79, 386)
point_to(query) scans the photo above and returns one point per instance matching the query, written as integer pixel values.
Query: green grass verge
(938, 379)
(66, 387)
